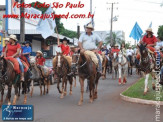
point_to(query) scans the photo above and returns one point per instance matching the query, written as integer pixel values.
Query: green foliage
(160, 32)
(116, 38)
(60, 26)
(137, 90)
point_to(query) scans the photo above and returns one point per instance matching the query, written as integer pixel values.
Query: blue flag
(46, 26)
(136, 32)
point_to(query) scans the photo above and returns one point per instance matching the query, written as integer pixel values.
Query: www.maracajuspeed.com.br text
(51, 16)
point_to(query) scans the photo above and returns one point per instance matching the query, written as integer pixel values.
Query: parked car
(49, 64)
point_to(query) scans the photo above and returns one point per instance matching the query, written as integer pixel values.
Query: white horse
(122, 67)
(114, 66)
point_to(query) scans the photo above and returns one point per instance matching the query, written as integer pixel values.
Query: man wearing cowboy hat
(87, 43)
(115, 49)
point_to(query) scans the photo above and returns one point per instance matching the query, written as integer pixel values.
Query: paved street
(107, 108)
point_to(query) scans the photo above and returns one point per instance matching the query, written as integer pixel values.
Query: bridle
(78, 56)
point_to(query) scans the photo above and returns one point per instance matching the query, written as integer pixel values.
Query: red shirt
(3, 50)
(115, 50)
(65, 49)
(12, 49)
(149, 40)
(40, 61)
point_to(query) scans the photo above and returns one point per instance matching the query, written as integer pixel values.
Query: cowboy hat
(13, 37)
(90, 26)
(39, 52)
(6, 39)
(149, 30)
(65, 39)
(116, 45)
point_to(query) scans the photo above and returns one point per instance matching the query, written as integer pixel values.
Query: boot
(22, 76)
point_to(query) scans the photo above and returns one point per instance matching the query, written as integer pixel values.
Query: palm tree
(116, 37)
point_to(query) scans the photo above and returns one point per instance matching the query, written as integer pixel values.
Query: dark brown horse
(62, 69)
(86, 70)
(9, 77)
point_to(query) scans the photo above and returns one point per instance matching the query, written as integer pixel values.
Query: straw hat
(39, 52)
(13, 37)
(116, 45)
(90, 26)
(149, 30)
(6, 39)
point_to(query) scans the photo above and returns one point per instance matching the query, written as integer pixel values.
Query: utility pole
(111, 23)
(91, 6)
(22, 23)
(78, 31)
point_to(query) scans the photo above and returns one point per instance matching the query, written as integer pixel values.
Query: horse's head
(75, 60)
(59, 59)
(143, 50)
(32, 61)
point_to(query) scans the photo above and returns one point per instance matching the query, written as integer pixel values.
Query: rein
(78, 61)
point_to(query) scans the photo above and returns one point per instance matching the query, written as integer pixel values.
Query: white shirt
(160, 44)
(89, 41)
(129, 52)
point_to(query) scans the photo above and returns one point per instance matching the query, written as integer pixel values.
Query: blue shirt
(1, 49)
(27, 49)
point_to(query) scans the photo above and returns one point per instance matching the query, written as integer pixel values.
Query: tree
(117, 38)
(59, 24)
(160, 32)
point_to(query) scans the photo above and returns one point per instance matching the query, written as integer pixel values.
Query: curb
(141, 101)
(138, 100)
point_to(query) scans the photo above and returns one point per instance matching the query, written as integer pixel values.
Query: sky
(128, 12)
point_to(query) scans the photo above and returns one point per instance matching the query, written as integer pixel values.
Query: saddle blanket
(16, 65)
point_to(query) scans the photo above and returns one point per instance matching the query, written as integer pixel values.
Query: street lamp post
(22, 23)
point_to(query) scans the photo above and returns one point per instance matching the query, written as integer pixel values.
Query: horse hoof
(9, 103)
(91, 100)
(70, 93)
(61, 96)
(65, 93)
(145, 93)
(80, 103)
(95, 97)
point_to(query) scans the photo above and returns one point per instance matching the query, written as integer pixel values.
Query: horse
(37, 76)
(104, 66)
(147, 65)
(62, 69)
(122, 67)
(86, 70)
(9, 77)
(114, 66)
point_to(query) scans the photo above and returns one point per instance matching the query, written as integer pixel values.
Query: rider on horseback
(87, 45)
(13, 50)
(27, 50)
(40, 60)
(3, 50)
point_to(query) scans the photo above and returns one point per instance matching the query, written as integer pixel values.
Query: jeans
(99, 63)
(21, 65)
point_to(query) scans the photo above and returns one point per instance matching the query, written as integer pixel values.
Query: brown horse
(62, 69)
(8, 77)
(86, 70)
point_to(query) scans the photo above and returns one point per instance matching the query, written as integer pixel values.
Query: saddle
(16, 65)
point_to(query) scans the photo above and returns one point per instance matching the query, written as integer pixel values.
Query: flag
(150, 26)
(136, 32)
(46, 26)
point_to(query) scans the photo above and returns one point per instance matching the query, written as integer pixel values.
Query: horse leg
(104, 72)
(62, 94)
(124, 76)
(87, 88)
(41, 87)
(2, 93)
(44, 84)
(65, 89)
(120, 72)
(70, 81)
(48, 85)
(58, 87)
(81, 80)
(32, 87)
(16, 94)
(96, 85)
(146, 84)
(9, 94)
(74, 81)
(25, 91)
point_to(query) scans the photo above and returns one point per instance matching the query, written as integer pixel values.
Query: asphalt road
(107, 108)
